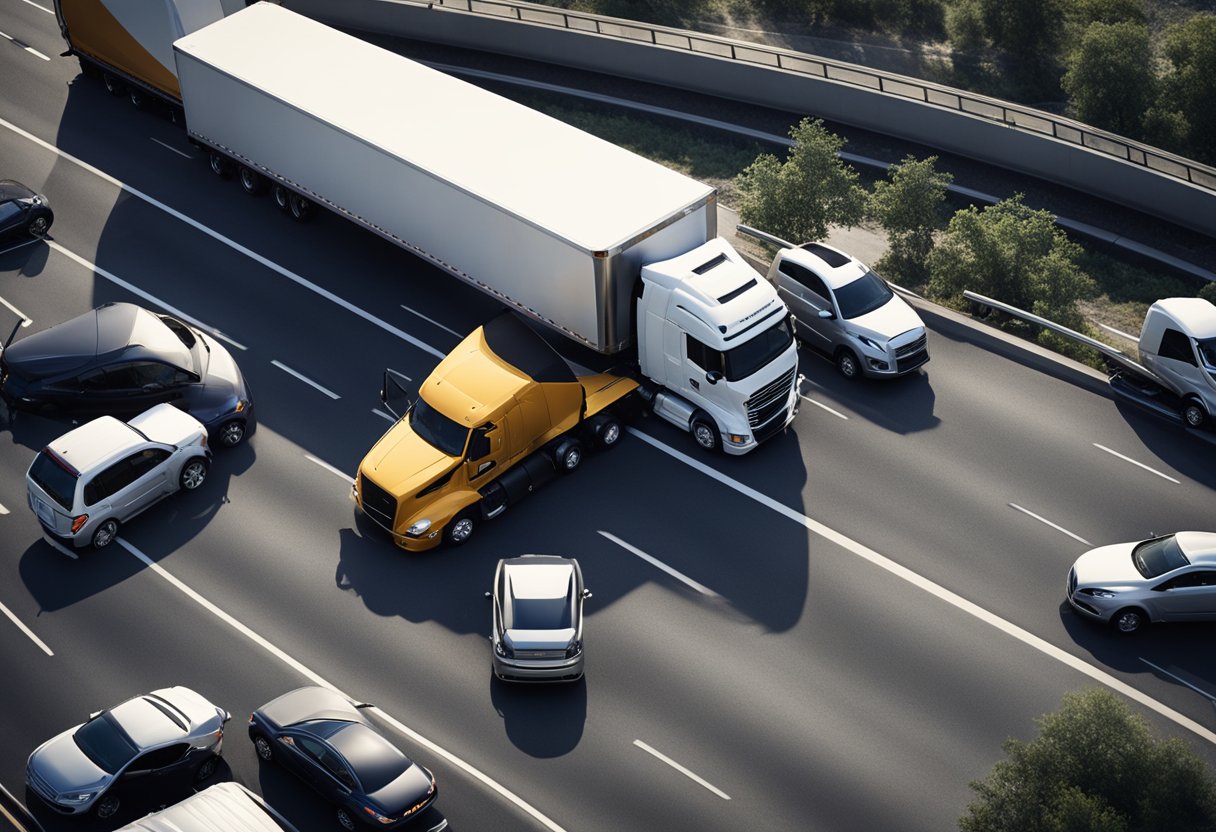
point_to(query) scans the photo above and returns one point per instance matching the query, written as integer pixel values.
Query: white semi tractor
(603, 246)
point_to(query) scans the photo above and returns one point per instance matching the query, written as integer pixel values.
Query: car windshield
(437, 429)
(1207, 351)
(1158, 556)
(103, 742)
(751, 356)
(541, 614)
(863, 295)
(54, 479)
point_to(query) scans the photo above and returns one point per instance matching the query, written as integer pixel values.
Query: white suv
(86, 482)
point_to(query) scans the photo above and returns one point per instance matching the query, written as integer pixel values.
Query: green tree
(1030, 32)
(1094, 768)
(908, 206)
(1190, 84)
(1208, 292)
(1014, 254)
(1110, 80)
(799, 198)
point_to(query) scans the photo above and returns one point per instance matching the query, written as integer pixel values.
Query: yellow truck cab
(502, 414)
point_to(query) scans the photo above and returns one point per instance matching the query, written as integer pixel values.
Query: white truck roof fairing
(1195, 316)
(579, 188)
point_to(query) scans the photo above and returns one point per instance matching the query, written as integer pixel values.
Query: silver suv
(88, 481)
(537, 627)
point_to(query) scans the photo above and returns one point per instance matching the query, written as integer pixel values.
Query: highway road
(838, 630)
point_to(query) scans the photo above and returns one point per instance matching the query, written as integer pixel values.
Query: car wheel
(461, 528)
(609, 432)
(346, 820)
(1194, 414)
(40, 224)
(705, 432)
(113, 85)
(232, 433)
(106, 806)
(261, 744)
(568, 455)
(104, 534)
(281, 196)
(1130, 620)
(300, 208)
(220, 164)
(252, 182)
(194, 474)
(207, 768)
(847, 364)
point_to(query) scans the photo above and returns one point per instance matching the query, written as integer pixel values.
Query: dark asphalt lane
(815, 685)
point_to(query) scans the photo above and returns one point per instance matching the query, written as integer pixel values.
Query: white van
(225, 807)
(1178, 344)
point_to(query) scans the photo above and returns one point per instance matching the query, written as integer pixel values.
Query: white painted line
(40, 8)
(1047, 522)
(941, 593)
(331, 469)
(431, 321)
(24, 46)
(232, 244)
(25, 319)
(135, 290)
(384, 415)
(3, 510)
(680, 768)
(1120, 333)
(170, 147)
(679, 576)
(55, 544)
(1197, 690)
(824, 406)
(28, 242)
(316, 679)
(1137, 464)
(305, 379)
(26, 630)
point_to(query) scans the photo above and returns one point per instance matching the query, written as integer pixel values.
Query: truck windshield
(863, 295)
(445, 434)
(744, 360)
(1207, 351)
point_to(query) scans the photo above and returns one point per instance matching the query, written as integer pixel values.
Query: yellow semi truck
(501, 415)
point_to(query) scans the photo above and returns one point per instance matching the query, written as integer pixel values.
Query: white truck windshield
(749, 357)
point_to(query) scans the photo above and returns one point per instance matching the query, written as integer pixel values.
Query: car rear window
(1156, 557)
(53, 477)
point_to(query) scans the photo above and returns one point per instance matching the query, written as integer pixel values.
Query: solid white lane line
(824, 406)
(679, 576)
(305, 379)
(940, 592)
(138, 292)
(330, 468)
(1197, 690)
(170, 147)
(3, 510)
(693, 777)
(316, 679)
(25, 630)
(38, 7)
(232, 244)
(1137, 464)
(431, 321)
(24, 46)
(1047, 522)
(25, 319)
(384, 415)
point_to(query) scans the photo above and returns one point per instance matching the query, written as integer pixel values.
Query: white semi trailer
(600, 244)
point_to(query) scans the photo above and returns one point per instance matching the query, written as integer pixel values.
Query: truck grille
(909, 349)
(770, 399)
(378, 503)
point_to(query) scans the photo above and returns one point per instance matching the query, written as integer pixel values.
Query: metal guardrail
(1021, 118)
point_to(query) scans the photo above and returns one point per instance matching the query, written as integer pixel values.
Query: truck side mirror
(586, 593)
(827, 314)
(393, 395)
(713, 376)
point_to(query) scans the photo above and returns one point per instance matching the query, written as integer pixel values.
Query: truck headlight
(419, 528)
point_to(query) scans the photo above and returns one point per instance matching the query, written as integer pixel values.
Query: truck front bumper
(366, 523)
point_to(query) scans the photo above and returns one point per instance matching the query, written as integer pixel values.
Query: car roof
(366, 749)
(105, 332)
(836, 267)
(1199, 547)
(310, 703)
(12, 189)
(539, 576)
(96, 443)
(1196, 316)
(150, 721)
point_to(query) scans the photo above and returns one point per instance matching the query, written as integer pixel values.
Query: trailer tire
(705, 432)
(282, 196)
(301, 208)
(568, 455)
(252, 182)
(1194, 415)
(220, 164)
(608, 432)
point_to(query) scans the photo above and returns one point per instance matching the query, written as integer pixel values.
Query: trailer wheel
(113, 84)
(282, 197)
(568, 455)
(301, 208)
(1194, 414)
(608, 431)
(221, 165)
(705, 432)
(252, 182)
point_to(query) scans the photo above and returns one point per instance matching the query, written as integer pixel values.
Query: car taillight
(78, 522)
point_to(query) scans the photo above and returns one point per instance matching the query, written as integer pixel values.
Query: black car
(119, 360)
(319, 735)
(23, 213)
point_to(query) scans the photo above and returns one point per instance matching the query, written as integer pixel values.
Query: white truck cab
(1178, 344)
(719, 343)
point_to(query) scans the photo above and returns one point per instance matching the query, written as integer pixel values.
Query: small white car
(85, 483)
(536, 634)
(128, 749)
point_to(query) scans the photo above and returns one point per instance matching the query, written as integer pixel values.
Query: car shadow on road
(1191, 453)
(541, 720)
(27, 259)
(900, 405)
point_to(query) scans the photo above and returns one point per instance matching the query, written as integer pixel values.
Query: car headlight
(871, 343)
(419, 527)
(574, 649)
(76, 797)
(377, 816)
(1098, 593)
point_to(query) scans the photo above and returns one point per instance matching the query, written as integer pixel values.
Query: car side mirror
(713, 376)
(586, 593)
(827, 314)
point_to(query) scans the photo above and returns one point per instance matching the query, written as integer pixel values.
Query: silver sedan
(1129, 585)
